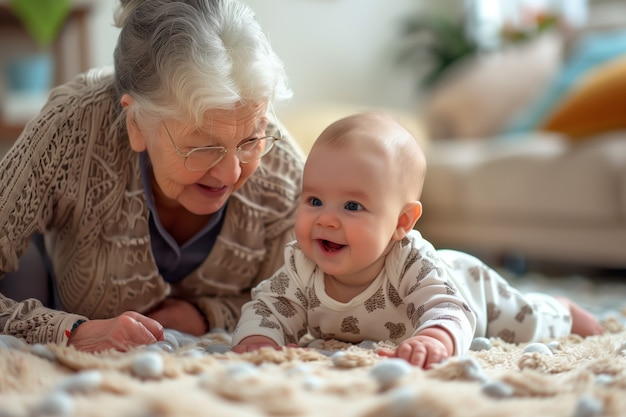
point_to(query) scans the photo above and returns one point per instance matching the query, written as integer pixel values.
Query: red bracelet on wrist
(78, 322)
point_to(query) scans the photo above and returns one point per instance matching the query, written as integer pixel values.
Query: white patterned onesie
(419, 287)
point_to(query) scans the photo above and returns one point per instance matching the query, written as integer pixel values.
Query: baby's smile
(329, 246)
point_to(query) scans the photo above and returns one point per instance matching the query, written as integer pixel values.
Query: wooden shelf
(70, 50)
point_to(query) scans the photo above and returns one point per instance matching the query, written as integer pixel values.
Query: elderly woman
(160, 192)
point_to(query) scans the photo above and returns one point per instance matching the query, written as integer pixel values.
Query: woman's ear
(411, 212)
(135, 135)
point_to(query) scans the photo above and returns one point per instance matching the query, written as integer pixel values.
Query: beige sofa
(556, 197)
(542, 198)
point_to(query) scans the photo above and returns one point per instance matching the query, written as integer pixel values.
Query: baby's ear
(411, 212)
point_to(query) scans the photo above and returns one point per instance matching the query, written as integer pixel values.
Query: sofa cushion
(592, 50)
(541, 179)
(477, 97)
(596, 105)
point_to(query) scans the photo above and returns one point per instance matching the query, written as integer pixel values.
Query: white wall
(338, 50)
(103, 33)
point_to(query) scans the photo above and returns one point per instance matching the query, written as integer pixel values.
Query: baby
(359, 271)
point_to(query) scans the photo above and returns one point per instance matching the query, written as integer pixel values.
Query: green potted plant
(432, 44)
(43, 20)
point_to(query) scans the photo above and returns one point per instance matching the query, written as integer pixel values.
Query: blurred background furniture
(528, 153)
(69, 52)
(540, 198)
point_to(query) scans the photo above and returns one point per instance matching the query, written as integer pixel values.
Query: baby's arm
(425, 349)
(275, 316)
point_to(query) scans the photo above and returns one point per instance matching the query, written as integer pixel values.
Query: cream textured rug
(571, 377)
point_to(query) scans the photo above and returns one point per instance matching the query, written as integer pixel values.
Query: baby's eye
(314, 201)
(353, 206)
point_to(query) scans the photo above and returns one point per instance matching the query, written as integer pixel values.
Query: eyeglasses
(206, 157)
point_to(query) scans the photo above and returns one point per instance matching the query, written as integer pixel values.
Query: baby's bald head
(384, 135)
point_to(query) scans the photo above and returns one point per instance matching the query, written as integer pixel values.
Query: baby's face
(348, 212)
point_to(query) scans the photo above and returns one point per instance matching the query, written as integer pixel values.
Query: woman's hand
(180, 315)
(128, 330)
(252, 343)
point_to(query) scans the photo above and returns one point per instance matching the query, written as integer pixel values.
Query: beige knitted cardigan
(74, 178)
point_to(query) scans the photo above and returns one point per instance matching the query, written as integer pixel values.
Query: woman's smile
(214, 193)
(208, 188)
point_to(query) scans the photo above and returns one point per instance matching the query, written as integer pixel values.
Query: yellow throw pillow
(596, 105)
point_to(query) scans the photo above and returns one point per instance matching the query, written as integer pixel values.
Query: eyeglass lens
(204, 158)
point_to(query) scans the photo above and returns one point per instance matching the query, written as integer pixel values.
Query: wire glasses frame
(206, 157)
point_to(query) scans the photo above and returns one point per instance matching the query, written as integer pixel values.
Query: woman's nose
(228, 170)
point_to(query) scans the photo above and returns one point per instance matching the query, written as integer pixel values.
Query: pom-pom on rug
(571, 377)
(187, 377)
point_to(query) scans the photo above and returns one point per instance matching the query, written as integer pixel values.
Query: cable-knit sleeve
(39, 176)
(29, 176)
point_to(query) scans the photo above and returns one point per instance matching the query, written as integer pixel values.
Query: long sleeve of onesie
(411, 293)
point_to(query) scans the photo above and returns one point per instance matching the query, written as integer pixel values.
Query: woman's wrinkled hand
(124, 332)
(180, 315)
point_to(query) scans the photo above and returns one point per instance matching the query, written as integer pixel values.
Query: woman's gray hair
(178, 59)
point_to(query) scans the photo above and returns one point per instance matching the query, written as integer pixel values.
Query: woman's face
(201, 192)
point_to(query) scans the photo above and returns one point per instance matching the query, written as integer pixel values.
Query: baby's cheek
(303, 231)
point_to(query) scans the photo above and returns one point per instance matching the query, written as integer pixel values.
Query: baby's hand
(425, 349)
(252, 343)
